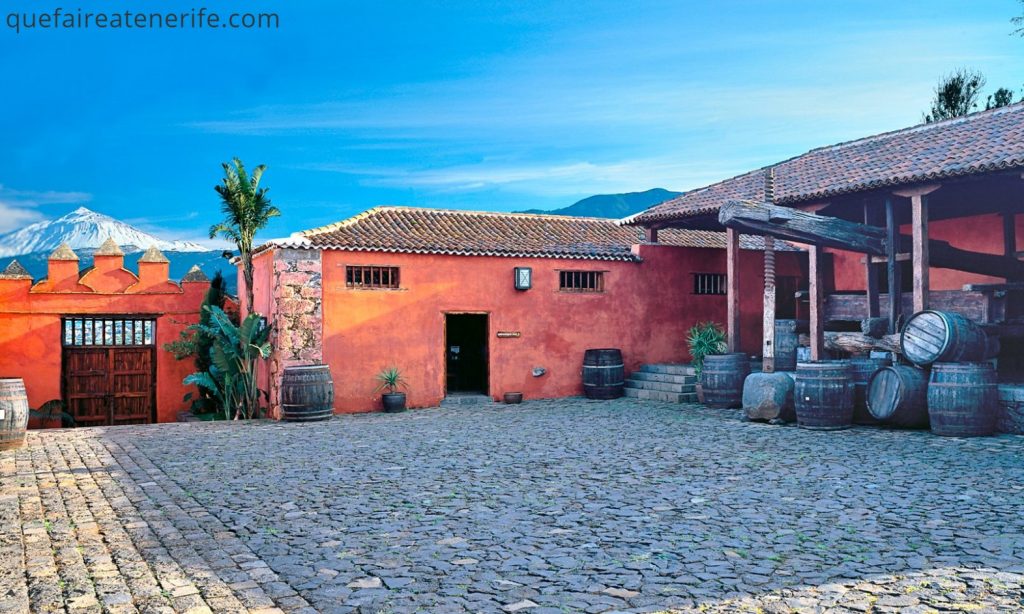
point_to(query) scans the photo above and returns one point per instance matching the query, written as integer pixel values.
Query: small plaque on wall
(509, 334)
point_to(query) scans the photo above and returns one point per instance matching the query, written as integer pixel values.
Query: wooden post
(870, 268)
(1009, 236)
(768, 351)
(817, 291)
(919, 240)
(651, 234)
(732, 274)
(892, 267)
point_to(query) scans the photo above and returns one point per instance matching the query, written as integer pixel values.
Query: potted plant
(391, 379)
(704, 339)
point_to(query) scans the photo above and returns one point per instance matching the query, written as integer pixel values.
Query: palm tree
(246, 211)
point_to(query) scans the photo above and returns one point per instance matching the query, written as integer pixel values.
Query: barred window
(709, 283)
(373, 277)
(108, 331)
(581, 281)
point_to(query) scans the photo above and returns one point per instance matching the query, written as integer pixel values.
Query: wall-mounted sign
(524, 277)
(509, 334)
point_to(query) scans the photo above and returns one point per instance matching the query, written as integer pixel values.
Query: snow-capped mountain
(86, 229)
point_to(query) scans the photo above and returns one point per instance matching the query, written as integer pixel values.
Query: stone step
(662, 386)
(663, 377)
(658, 395)
(669, 369)
(461, 400)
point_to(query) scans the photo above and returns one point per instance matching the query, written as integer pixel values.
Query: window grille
(709, 283)
(85, 331)
(581, 281)
(374, 277)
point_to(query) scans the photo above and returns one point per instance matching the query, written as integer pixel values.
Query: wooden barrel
(307, 393)
(13, 412)
(861, 370)
(722, 379)
(962, 399)
(786, 342)
(604, 373)
(824, 395)
(898, 395)
(942, 336)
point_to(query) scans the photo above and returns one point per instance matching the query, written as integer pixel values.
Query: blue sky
(474, 105)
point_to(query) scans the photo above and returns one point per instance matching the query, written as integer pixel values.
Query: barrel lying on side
(824, 395)
(13, 413)
(962, 399)
(898, 396)
(307, 393)
(604, 373)
(722, 379)
(861, 370)
(942, 336)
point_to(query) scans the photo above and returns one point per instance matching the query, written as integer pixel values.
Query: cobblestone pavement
(558, 506)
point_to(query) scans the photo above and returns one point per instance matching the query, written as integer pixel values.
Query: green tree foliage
(234, 356)
(195, 343)
(956, 95)
(1001, 98)
(247, 210)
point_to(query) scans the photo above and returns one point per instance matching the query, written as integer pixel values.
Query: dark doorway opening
(465, 346)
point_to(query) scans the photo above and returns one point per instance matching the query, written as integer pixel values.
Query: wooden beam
(870, 269)
(919, 228)
(651, 234)
(817, 299)
(892, 268)
(802, 227)
(1009, 236)
(732, 274)
(768, 364)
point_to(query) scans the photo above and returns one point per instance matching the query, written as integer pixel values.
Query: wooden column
(732, 274)
(892, 245)
(1009, 236)
(919, 240)
(817, 291)
(768, 350)
(870, 268)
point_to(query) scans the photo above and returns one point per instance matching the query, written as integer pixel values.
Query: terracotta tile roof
(978, 143)
(477, 233)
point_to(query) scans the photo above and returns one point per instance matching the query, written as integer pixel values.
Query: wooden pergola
(869, 222)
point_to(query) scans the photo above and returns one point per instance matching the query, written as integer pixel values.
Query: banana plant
(234, 357)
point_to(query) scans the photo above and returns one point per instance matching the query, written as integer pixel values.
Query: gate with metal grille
(109, 369)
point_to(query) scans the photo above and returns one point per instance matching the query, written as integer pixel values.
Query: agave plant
(234, 356)
(390, 379)
(705, 339)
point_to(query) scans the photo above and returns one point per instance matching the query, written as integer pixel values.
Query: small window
(581, 281)
(709, 283)
(101, 331)
(372, 277)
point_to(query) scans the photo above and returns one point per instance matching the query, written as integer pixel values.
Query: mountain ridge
(614, 206)
(84, 228)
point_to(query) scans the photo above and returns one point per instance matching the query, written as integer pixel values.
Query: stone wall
(298, 316)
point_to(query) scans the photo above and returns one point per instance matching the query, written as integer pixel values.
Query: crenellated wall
(31, 313)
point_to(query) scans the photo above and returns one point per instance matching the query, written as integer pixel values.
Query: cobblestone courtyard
(562, 506)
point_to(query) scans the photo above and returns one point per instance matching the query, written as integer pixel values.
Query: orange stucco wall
(980, 233)
(645, 310)
(30, 323)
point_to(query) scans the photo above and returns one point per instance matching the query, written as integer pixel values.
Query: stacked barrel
(962, 394)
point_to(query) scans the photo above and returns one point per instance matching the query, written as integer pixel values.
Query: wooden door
(109, 370)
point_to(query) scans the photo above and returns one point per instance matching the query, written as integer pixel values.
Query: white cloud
(32, 198)
(13, 217)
